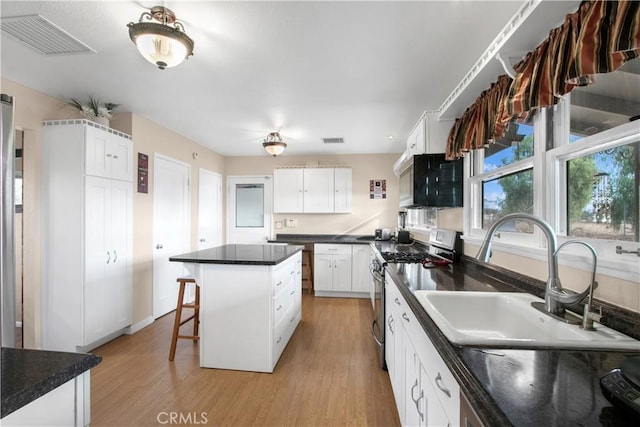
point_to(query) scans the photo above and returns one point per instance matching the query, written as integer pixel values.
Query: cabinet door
(361, 278)
(343, 190)
(97, 257)
(413, 394)
(287, 190)
(323, 272)
(121, 152)
(118, 295)
(97, 162)
(342, 273)
(435, 413)
(318, 190)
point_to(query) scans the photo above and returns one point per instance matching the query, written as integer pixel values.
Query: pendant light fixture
(163, 43)
(273, 144)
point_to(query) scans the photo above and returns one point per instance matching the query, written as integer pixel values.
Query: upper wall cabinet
(108, 155)
(312, 190)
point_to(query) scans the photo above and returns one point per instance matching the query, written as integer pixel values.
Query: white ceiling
(359, 70)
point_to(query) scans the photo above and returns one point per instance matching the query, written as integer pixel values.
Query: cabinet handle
(442, 387)
(108, 257)
(279, 307)
(202, 240)
(397, 301)
(292, 292)
(292, 272)
(279, 339)
(115, 256)
(389, 322)
(417, 401)
(109, 155)
(159, 246)
(405, 317)
(115, 156)
(279, 283)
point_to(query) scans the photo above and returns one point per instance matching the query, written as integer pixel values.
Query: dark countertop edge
(339, 239)
(21, 395)
(484, 405)
(294, 250)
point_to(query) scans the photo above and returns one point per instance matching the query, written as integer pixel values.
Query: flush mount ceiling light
(273, 144)
(163, 43)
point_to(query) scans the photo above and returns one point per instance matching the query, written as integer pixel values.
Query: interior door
(249, 209)
(171, 229)
(209, 209)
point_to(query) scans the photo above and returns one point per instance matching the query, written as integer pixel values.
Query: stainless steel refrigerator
(7, 250)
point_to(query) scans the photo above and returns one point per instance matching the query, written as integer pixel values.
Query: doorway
(249, 206)
(171, 229)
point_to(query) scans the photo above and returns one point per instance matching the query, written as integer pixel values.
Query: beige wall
(32, 108)
(367, 214)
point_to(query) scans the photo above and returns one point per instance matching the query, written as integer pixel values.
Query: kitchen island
(250, 303)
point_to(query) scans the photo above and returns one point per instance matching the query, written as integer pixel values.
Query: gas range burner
(404, 257)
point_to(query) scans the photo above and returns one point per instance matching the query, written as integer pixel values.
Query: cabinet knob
(115, 157)
(202, 240)
(109, 155)
(159, 246)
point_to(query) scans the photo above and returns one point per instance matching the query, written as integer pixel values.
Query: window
(577, 166)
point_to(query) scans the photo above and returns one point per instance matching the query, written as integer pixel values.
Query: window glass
(508, 194)
(603, 194)
(610, 101)
(250, 205)
(517, 144)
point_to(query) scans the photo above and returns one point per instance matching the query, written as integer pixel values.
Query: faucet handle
(568, 297)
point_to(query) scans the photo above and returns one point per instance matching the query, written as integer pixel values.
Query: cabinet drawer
(282, 302)
(282, 332)
(329, 249)
(284, 276)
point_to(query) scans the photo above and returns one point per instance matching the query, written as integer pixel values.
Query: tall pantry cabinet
(87, 209)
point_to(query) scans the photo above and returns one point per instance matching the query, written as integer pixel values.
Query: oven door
(377, 326)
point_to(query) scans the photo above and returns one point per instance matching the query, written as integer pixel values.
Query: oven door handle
(377, 276)
(373, 332)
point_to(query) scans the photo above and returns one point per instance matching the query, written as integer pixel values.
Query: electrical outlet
(292, 223)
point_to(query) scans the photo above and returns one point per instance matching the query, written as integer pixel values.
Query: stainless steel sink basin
(506, 319)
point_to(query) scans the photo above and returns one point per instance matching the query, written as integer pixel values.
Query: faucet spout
(551, 305)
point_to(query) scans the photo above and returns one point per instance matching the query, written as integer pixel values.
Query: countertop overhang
(30, 374)
(238, 254)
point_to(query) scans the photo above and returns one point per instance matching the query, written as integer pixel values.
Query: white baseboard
(138, 326)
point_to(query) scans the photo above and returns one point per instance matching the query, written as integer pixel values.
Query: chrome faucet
(555, 297)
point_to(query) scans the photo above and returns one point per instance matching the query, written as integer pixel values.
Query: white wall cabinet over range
(425, 391)
(312, 190)
(87, 198)
(341, 270)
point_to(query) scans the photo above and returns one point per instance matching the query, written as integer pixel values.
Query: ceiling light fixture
(163, 43)
(273, 144)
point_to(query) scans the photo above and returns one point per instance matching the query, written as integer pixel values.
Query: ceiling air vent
(43, 36)
(333, 140)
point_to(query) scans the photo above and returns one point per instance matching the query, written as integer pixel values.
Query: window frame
(550, 195)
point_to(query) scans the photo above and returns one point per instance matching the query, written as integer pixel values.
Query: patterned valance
(598, 38)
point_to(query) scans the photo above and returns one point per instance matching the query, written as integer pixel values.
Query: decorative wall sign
(378, 189)
(143, 173)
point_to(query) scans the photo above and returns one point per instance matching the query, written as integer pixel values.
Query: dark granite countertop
(240, 254)
(30, 374)
(521, 387)
(347, 239)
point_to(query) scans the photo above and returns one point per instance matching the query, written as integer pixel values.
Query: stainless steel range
(444, 247)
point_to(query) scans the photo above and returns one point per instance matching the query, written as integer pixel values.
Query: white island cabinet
(250, 303)
(87, 234)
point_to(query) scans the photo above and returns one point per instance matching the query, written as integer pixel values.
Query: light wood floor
(327, 376)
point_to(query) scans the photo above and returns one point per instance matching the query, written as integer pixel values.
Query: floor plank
(327, 376)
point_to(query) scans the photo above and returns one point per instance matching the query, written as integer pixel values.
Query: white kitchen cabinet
(87, 242)
(108, 154)
(426, 391)
(312, 190)
(332, 269)
(288, 190)
(416, 139)
(361, 277)
(343, 190)
(319, 189)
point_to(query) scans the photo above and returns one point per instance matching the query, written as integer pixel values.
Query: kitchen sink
(507, 319)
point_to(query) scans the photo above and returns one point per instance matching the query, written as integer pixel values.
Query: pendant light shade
(163, 43)
(273, 144)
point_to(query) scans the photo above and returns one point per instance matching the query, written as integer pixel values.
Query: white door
(209, 209)
(171, 229)
(249, 207)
